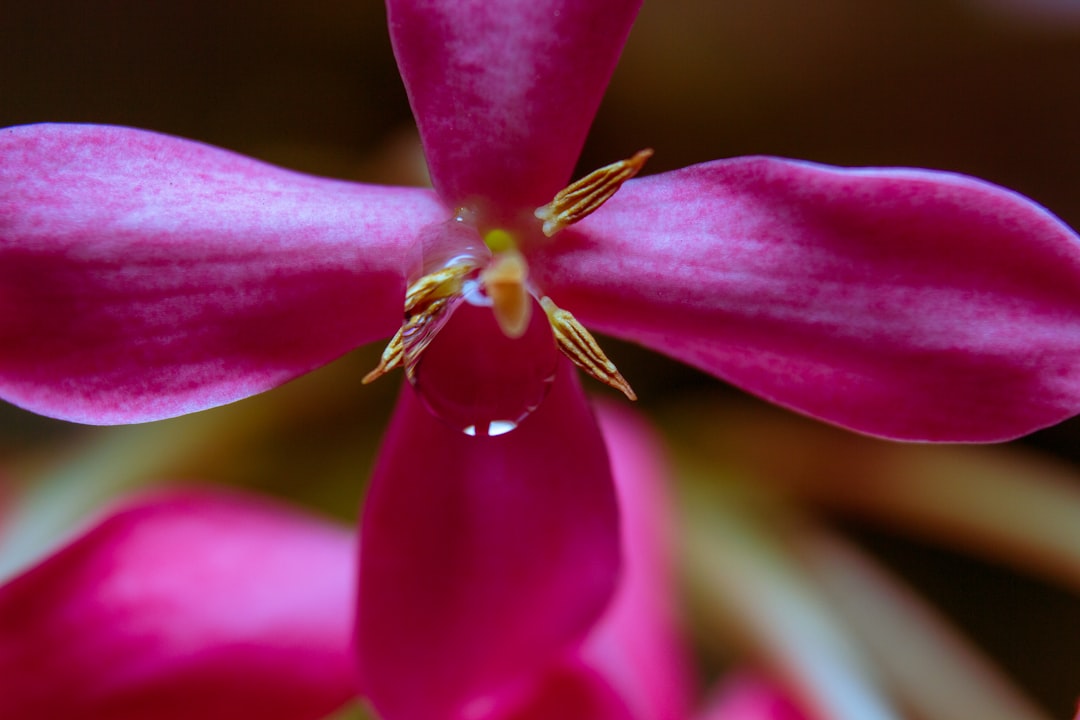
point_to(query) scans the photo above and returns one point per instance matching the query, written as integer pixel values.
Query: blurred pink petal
(746, 697)
(574, 690)
(484, 558)
(905, 303)
(504, 91)
(143, 276)
(637, 641)
(183, 605)
(633, 665)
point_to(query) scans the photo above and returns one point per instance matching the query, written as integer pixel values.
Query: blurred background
(985, 87)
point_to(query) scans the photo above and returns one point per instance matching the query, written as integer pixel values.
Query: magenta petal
(483, 558)
(504, 91)
(576, 691)
(183, 605)
(905, 303)
(143, 276)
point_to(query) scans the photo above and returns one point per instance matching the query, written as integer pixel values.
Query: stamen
(439, 284)
(425, 301)
(586, 195)
(391, 359)
(580, 346)
(504, 281)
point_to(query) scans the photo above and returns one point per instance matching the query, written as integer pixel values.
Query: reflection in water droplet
(481, 382)
(494, 428)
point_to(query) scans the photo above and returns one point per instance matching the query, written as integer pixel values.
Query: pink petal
(484, 558)
(746, 697)
(143, 276)
(632, 665)
(636, 644)
(575, 691)
(904, 303)
(504, 91)
(184, 605)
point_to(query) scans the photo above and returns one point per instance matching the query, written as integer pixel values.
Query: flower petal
(632, 665)
(183, 605)
(504, 91)
(484, 558)
(575, 691)
(905, 303)
(636, 643)
(748, 697)
(143, 276)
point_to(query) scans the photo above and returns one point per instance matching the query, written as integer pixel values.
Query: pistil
(504, 281)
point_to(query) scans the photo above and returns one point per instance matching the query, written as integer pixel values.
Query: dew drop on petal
(479, 381)
(448, 243)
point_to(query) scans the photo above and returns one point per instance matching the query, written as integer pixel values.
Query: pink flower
(143, 276)
(214, 605)
(183, 605)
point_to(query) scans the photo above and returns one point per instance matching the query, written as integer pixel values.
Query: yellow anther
(433, 286)
(581, 347)
(425, 301)
(585, 196)
(504, 280)
(392, 357)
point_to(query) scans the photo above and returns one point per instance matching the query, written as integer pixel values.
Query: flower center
(472, 344)
(481, 381)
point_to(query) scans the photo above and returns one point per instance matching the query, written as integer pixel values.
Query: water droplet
(479, 381)
(448, 243)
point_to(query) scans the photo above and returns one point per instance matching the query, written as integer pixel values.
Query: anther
(585, 196)
(425, 302)
(581, 347)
